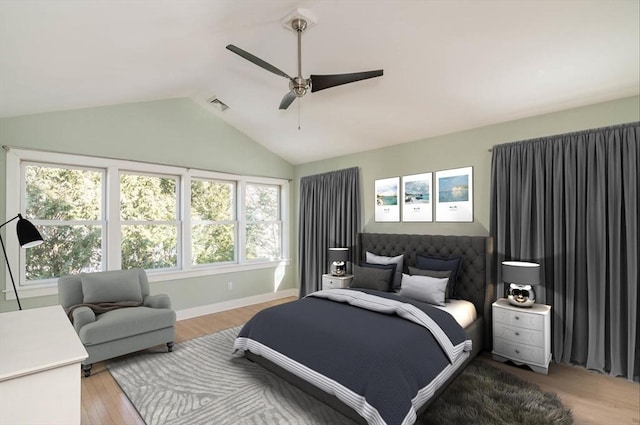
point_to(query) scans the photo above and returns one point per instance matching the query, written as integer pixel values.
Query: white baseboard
(202, 310)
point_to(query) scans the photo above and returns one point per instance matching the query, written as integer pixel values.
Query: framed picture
(416, 197)
(454, 195)
(387, 205)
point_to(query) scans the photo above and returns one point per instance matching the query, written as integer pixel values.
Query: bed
(304, 332)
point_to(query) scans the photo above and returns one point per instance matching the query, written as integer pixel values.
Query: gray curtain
(329, 217)
(570, 203)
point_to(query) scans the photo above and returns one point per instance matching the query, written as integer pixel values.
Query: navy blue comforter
(373, 350)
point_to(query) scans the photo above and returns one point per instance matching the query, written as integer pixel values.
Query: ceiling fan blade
(287, 100)
(257, 61)
(321, 82)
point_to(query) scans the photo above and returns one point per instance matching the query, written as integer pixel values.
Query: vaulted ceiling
(448, 65)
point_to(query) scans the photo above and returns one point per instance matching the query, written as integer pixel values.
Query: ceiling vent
(220, 105)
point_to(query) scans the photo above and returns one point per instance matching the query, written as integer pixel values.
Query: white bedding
(463, 311)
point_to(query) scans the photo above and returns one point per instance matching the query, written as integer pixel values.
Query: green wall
(173, 132)
(180, 132)
(462, 149)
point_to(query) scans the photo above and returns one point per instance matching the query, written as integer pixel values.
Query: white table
(40, 355)
(522, 334)
(330, 281)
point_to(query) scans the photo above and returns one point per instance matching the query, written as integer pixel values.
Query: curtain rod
(7, 148)
(572, 133)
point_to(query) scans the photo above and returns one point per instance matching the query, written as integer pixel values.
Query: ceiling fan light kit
(299, 21)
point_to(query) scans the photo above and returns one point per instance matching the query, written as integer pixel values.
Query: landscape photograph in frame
(386, 197)
(454, 195)
(416, 197)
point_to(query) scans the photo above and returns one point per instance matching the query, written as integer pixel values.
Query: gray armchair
(113, 313)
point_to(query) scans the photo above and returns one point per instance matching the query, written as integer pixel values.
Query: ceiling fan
(299, 85)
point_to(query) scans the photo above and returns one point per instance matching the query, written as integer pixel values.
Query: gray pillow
(433, 273)
(399, 260)
(424, 288)
(453, 263)
(371, 278)
(111, 287)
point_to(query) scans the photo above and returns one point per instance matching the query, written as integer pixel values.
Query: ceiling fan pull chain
(299, 107)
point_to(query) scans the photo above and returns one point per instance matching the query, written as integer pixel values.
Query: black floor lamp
(28, 236)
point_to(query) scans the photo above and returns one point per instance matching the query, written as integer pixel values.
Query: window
(213, 221)
(102, 214)
(149, 221)
(66, 204)
(264, 227)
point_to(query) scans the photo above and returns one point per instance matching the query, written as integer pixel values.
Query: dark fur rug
(485, 395)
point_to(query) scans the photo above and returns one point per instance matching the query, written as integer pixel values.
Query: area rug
(201, 383)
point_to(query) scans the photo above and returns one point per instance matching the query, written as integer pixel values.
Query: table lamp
(338, 258)
(521, 277)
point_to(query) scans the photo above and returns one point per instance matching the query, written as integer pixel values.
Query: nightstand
(522, 335)
(330, 281)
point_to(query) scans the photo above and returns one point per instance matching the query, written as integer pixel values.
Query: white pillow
(424, 288)
(379, 259)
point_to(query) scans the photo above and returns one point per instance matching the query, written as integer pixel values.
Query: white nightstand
(330, 281)
(522, 335)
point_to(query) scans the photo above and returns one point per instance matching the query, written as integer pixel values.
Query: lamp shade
(521, 272)
(338, 258)
(28, 235)
(338, 254)
(521, 278)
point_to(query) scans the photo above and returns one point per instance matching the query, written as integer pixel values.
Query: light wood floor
(595, 399)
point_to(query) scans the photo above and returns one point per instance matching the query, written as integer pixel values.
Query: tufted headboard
(475, 281)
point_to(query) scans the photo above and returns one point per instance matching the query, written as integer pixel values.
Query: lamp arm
(7, 222)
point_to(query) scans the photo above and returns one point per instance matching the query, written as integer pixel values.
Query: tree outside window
(66, 204)
(149, 224)
(213, 219)
(263, 228)
(100, 214)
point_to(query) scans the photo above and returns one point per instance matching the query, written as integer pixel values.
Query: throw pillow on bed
(424, 288)
(453, 264)
(381, 266)
(372, 277)
(440, 274)
(398, 261)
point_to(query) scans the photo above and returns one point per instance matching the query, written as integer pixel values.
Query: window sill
(51, 287)
(161, 276)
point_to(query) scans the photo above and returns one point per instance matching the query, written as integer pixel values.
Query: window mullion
(185, 211)
(112, 211)
(284, 220)
(175, 223)
(241, 246)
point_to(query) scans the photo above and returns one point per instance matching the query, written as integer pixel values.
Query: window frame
(102, 221)
(247, 222)
(235, 221)
(176, 222)
(15, 202)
